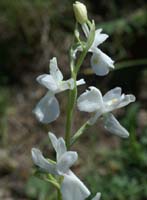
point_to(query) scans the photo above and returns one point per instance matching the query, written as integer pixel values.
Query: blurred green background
(32, 32)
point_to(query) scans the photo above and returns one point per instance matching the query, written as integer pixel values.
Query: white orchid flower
(47, 110)
(71, 187)
(100, 62)
(92, 101)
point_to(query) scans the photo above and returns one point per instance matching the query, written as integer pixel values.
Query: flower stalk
(73, 93)
(80, 132)
(59, 195)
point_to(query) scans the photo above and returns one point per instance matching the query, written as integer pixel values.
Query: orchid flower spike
(92, 101)
(47, 110)
(71, 187)
(100, 62)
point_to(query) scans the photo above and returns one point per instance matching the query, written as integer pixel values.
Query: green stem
(73, 93)
(71, 102)
(80, 60)
(59, 196)
(80, 132)
(72, 99)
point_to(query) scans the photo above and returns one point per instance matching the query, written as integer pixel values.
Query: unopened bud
(80, 11)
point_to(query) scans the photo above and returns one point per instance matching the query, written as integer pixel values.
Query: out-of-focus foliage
(122, 172)
(127, 32)
(39, 189)
(4, 104)
(28, 31)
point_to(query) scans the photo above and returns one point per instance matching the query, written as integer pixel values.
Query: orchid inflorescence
(68, 185)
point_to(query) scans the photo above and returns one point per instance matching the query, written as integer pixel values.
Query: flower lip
(47, 109)
(113, 126)
(100, 62)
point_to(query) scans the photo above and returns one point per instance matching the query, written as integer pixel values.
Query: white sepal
(99, 38)
(90, 101)
(66, 161)
(42, 162)
(48, 81)
(54, 70)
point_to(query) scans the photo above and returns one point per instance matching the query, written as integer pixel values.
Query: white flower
(71, 187)
(92, 101)
(100, 62)
(47, 110)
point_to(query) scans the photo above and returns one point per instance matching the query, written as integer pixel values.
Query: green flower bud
(80, 12)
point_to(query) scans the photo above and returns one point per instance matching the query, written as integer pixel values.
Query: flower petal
(58, 144)
(66, 161)
(69, 84)
(112, 99)
(43, 163)
(53, 140)
(97, 197)
(101, 63)
(72, 188)
(48, 81)
(65, 85)
(54, 70)
(112, 94)
(99, 38)
(47, 110)
(126, 99)
(61, 148)
(113, 126)
(90, 101)
(80, 82)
